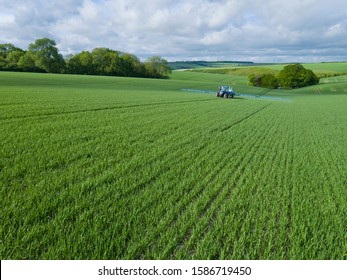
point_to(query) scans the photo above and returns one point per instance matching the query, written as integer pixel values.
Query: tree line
(291, 76)
(43, 56)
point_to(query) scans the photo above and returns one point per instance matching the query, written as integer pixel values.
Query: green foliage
(81, 63)
(9, 57)
(108, 62)
(263, 80)
(157, 67)
(269, 81)
(88, 170)
(254, 80)
(27, 63)
(46, 55)
(7, 49)
(43, 56)
(291, 76)
(295, 76)
(132, 66)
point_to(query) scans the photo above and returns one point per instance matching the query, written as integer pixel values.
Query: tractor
(226, 92)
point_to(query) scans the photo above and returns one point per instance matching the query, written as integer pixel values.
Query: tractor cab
(226, 92)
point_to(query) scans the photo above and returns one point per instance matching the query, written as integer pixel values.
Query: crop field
(322, 70)
(127, 168)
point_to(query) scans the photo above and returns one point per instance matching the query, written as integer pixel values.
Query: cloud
(272, 30)
(6, 20)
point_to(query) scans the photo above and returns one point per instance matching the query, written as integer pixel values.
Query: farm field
(126, 168)
(322, 70)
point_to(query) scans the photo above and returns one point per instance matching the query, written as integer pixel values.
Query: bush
(263, 80)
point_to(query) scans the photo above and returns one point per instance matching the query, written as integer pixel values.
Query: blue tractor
(226, 92)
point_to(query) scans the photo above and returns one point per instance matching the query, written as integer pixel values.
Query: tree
(46, 55)
(291, 76)
(10, 56)
(27, 63)
(157, 67)
(107, 62)
(6, 49)
(295, 76)
(269, 81)
(132, 65)
(253, 80)
(43, 56)
(104, 61)
(81, 63)
(310, 78)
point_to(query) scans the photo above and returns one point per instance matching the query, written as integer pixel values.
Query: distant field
(199, 64)
(322, 70)
(127, 168)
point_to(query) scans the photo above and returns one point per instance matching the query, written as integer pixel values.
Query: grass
(126, 168)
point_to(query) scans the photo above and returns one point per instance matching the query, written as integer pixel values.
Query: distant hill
(177, 65)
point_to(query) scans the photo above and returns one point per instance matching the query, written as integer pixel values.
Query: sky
(247, 30)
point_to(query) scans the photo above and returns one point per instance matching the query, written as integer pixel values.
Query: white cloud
(184, 29)
(6, 20)
(337, 30)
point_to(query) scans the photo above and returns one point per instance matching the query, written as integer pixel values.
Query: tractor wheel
(217, 94)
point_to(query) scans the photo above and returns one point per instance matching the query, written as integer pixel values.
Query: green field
(126, 168)
(206, 64)
(322, 70)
